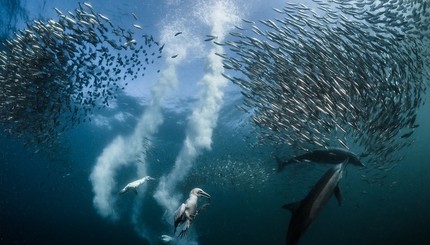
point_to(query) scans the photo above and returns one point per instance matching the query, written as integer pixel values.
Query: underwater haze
(161, 88)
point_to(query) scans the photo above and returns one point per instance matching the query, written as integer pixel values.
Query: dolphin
(133, 185)
(329, 155)
(305, 211)
(186, 213)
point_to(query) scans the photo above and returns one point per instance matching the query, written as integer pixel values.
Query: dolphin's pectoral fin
(135, 190)
(292, 206)
(338, 195)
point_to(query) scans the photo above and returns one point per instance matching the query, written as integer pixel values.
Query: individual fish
(210, 38)
(406, 135)
(88, 5)
(161, 48)
(138, 26)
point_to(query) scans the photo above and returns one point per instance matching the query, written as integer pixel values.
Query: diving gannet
(133, 185)
(188, 210)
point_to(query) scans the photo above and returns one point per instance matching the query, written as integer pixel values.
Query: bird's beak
(204, 194)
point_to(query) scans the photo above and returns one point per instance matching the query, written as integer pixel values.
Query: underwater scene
(214, 122)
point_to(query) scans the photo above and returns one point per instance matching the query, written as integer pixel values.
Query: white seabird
(186, 213)
(133, 185)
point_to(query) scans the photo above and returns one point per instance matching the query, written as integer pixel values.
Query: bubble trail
(203, 119)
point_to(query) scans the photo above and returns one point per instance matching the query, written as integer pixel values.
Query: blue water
(47, 198)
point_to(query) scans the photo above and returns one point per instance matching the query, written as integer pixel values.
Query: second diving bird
(135, 184)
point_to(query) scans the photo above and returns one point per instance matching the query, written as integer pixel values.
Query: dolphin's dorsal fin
(338, 195)
(292, 206)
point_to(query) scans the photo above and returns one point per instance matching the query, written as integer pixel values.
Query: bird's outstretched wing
(185, 228)
(179, 216)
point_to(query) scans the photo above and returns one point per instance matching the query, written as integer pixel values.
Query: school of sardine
(348, 74)
(54, 73)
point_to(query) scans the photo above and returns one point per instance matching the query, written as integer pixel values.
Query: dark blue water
(48, 198)
(43, 202)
